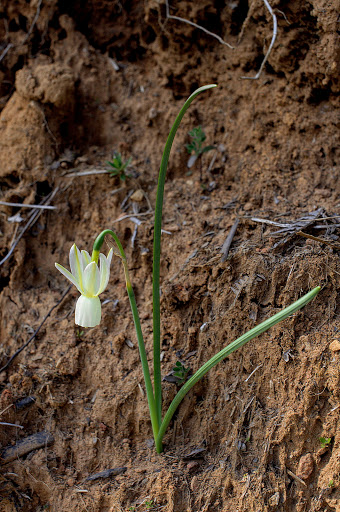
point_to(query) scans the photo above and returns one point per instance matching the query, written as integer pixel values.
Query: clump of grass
(118, 166)
(196, 145)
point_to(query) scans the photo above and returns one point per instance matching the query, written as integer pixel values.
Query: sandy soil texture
(80, 80)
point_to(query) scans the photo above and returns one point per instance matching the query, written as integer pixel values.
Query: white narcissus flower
(90, 281)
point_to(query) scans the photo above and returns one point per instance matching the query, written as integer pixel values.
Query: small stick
(317, 239)
(23, 205)
(108, 473)
(168, 15)
(36, 331)
(228, 241)
(87, 173)
(27, 445)
(131, 215)
(8, 47)
(290, 473)
(252, 373)
(10, 424)
(257, 76)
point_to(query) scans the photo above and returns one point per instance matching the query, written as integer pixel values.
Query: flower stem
(157, 252)
(259, 329)
(146, 372)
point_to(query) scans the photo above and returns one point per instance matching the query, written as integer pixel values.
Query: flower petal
(91, 279)
(104, 271)
(86, 258)
(88, 311)
(69, 276)
(76, 264)
(109, 257)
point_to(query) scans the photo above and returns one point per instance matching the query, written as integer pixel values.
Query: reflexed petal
(88, 311)
(69, 276)
(109, 257)
(86, 258)
(76, 264)
(91, 279)
(104, 272)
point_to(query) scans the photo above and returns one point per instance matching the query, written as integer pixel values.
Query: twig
(131, 215)
(257, 76)
(252, 373)
(10, 424)
(169, 16)
(107, 473)
(229, 239)
(290, 473)
(22, 205)
(36, 331)
(317, 239)
(27, 445)
(86, 173)
(4, 53)
(34, 217)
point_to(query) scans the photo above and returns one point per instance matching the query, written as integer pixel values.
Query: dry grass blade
(318, 239)
(22, 205)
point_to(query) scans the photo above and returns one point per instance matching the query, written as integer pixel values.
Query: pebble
(138, 196)
(191, 466)
(334, 346)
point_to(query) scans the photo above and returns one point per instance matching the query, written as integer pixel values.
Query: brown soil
(247, 437)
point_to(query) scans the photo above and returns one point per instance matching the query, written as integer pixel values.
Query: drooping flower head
(90, 281)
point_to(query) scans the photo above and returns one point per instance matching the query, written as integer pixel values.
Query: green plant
(180, 372)
(149, 504)
(325, 441)
(196, 145)
(91, 281)
(331, 483)
(118, 167)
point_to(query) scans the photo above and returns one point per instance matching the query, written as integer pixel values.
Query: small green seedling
(118, 167)
(198, 137)
(325, 441)
(149, 504)
(79, 333)
(180, 372)
(331, 483)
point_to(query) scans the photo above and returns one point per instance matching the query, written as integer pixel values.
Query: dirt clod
(305, 466)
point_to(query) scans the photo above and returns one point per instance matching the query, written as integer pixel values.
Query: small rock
(138, 196)
(191, 466)
(149, 443)
(306, 466)
(152, 113)
(334, 346)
